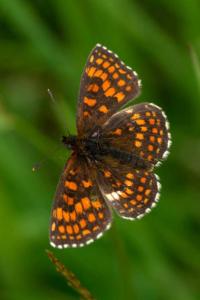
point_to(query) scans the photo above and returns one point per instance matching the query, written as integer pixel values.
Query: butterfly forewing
(79, 213)
(142, 130)
(106, 85)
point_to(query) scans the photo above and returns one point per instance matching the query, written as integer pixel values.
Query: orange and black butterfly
(113, 155)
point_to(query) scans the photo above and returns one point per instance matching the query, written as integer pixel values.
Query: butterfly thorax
(98, 150)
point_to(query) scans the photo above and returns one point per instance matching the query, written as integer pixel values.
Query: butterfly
(113, 155)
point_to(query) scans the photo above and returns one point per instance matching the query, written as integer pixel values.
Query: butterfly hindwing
(141, 130)
(106, 85)
(129, 191)
(79, 213)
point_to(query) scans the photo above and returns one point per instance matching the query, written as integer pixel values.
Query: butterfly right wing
(79, 213)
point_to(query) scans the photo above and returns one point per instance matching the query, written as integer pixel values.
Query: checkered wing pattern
(79, 214)
(106, 85)
(131, 192)
(141, 130)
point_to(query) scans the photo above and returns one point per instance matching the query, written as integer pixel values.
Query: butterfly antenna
(54, 101)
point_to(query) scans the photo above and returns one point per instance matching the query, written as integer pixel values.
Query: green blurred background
(44, 44)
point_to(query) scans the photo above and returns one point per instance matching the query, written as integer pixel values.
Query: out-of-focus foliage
(44, 44)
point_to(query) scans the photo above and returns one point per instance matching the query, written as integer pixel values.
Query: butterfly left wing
(79, 213)
(131, 192)
(106, 85)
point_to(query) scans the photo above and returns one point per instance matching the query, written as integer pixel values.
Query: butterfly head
(69, 141)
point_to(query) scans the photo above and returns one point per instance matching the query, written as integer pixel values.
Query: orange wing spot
(139, 197)
(90, 102)
(98, 73)
(143, 128)
(129, 191)
(66, 216)
(106, 64)
(76, 228)
(150, 147)
(87, 184)
(99, 61)
(61, 229)
(115, 75)
(104, 76)
(91, 71)
(86, 114)
(78, 237)
(69, 229)
(54, 213)
(121, 82)
(71, 237)
(100, 215)
(59, 213)
(139, 206)
(122, 71)
(117, 65)
(106, 85)
(118, 131)
(86, 203)
(110, 92)
(135, 116)
(129, 176)
(70, 200)
(71, 185)
(159, 139)
(140, 188)
(91, 217)
(138, 144)
(151, 121)
(131, 128)
(147, 192)
(72, 172)
(96, 204)
(146, 200)
(149, 157)
(140, 122)
(133, 202)
(128, 182)
(143, 179)
(82, 223)
(152, 138)
(107, 174)
(65, 197)
(129, 76)
(123, 195)
(128, 88)
(63, 237)
(103, 109)
(161, 132)
(104, 56)
(141, 153)
(92, 58)
(53, 226)
(93, 88)
(86, 232)
(111, 69)
(155, 130)
(140, 136)
(125, 205)
(120, 96)
(73, 216)
(148, 114)
(95, 228)
(78, 208)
